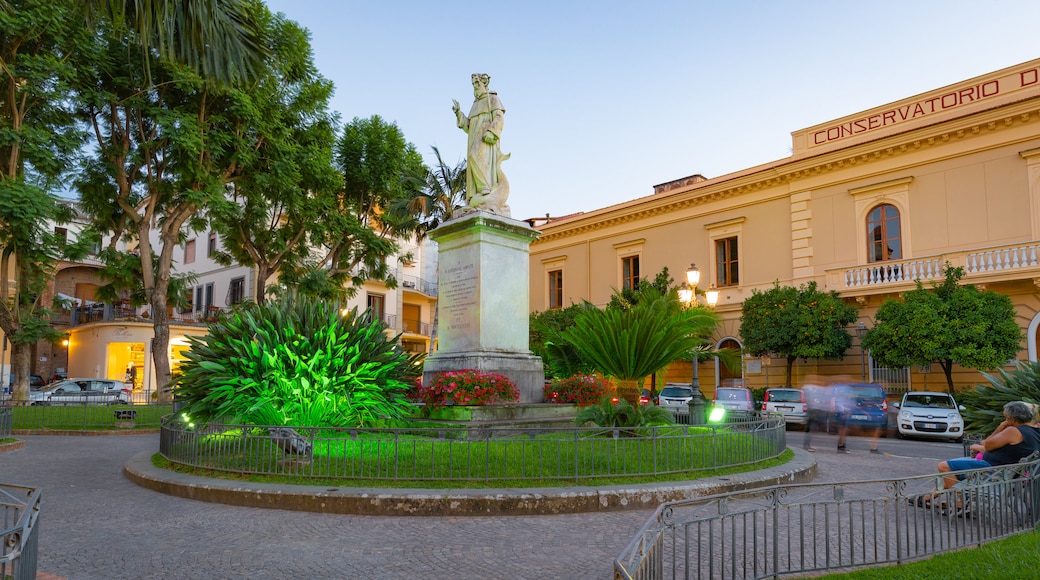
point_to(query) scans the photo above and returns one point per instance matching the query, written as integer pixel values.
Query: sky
(605, 99)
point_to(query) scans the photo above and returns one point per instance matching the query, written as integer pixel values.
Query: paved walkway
(97, 524)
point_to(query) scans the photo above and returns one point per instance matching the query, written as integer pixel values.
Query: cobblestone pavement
(97, 524)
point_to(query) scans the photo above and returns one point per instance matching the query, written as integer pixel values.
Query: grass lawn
(1014, 557)
(372, 460)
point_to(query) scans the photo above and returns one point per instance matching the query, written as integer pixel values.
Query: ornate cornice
(789, 170)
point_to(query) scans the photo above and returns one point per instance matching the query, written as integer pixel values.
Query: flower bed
(584, 390)
(467, 387)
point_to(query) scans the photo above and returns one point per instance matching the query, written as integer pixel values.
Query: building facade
(864, 206)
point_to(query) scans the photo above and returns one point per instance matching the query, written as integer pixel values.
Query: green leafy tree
(629, 297)
(38, 143)
(368, 213)
(298, 363)
(166, 142)
(281, 183)
(984, 404)
(631, 344)
(796, 323)
(948, 324)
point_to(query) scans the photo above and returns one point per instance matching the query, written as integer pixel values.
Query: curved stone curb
(12, 446)
(436, 502)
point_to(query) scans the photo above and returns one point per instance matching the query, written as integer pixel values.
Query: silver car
(675, 397)
(82, 392)
(929, 414)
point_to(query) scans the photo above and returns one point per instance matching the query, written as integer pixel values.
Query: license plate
(860, 417)
(786, 408)
(929, 426)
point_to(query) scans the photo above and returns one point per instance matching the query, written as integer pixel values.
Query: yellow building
(863, 206)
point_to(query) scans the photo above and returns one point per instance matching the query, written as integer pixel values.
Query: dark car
(864, 405)
(35, 382)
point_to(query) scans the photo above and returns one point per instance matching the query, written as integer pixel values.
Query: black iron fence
(475, 454)
(83, 417)
(19, 533)
(807, 528)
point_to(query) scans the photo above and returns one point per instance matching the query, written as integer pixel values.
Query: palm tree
(443, 192)
(217, 38)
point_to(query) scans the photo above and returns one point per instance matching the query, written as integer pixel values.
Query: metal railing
(476, 454)
(19, 533)
(5, 422)
(84, 417)
(807, 528)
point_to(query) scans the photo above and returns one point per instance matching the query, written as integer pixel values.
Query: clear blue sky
(606, 99)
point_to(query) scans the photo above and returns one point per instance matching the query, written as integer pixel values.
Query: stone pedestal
(483, 293)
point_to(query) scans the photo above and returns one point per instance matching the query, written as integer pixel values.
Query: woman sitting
(1013, 439)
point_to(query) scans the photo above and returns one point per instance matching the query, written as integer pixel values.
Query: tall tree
(279, 189)
(948, 324)
(38, 140)
(796, 323)
(166, 144)
(369, 212)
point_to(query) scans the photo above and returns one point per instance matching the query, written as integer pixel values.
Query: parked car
(931, 415)
(675, 396)
(866, 404)
(82, 392)
(788, 402)
(35, 382)
(644, 397)
(737, 402)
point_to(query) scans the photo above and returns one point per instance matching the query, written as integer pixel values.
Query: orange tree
(795, 323)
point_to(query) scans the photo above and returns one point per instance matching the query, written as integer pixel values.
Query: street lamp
(861, 330)
(688, 296)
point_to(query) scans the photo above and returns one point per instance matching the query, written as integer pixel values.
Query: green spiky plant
(622, 414)
(985, 404)
(300, 363)
(636, 342)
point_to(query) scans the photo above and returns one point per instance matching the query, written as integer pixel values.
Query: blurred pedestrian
(818, 406)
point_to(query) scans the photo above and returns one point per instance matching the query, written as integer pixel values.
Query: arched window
(883, 238)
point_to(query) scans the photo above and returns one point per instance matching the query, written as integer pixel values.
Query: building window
(556, 289)
(209, 296)
(189, 303)
(199, 306)
(211, 247)
(883, 238)
(726, 262)
(189, 252)
(61, 235)
(236, 291)
(630, 272)
(377, 304)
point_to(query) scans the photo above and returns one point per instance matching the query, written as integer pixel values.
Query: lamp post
(861, 330)
(688, 295)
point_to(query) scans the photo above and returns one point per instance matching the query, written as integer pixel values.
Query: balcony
(406, 325)
(996, 264)
(416, 284)
(120, 312)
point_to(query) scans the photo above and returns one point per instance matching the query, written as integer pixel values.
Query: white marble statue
(486, 186)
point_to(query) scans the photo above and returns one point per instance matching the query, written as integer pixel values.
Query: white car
(82, 392)
(930, 415)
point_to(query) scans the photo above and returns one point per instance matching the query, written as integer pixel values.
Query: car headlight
(905, 415)
(953, 417)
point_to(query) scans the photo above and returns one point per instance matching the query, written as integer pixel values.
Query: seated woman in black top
(1012, 440)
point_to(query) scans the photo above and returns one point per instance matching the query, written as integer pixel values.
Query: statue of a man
(486, 186)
